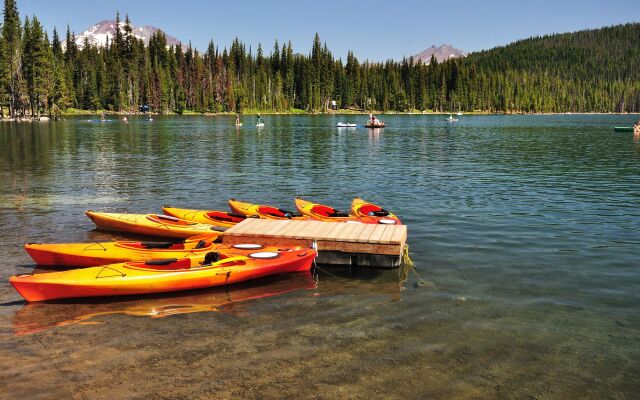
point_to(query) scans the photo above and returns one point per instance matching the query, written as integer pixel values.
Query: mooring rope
(407, 262)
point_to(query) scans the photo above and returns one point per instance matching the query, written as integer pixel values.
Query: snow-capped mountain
(98, 34)
(442, 53)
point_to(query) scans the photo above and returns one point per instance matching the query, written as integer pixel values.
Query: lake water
(524, 230)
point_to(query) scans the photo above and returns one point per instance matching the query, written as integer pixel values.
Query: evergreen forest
(586, 71)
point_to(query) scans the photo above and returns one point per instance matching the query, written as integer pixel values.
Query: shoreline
(74, 113)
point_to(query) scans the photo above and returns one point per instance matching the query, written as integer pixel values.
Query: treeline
(587, 71)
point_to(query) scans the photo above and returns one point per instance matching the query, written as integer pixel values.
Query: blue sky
(375, 29)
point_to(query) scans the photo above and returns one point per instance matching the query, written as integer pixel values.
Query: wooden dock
(338, 242)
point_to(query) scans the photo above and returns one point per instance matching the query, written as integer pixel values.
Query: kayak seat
(380, 213)
(236, 215)
(211, 258)
(338, 214)
(202, 243)
(168, 263)
(157, 245)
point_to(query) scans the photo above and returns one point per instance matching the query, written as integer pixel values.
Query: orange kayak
(159, 276)
(361, 208)
(219, 218)
(38, 316)
(93, 254)
(322, 212)
(262, 211)
(151, 224)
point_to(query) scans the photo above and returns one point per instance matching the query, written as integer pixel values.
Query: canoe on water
(375, 126)
(623, 129)
(362, 208)
(37, 316)
(262, 211)
(213, 217)
(151, 224)
(159, 276)
(323, 212)
(94, 254)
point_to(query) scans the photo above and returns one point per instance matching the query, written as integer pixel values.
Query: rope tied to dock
(408, 263)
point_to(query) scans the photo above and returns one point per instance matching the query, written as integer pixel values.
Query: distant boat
(346, 125)
(259, 124)
(459, 113)
(240, 124)
(623, 129)
(372, 126)
(451, 119)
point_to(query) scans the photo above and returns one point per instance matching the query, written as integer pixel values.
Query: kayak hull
(151, 225)
(137, 278)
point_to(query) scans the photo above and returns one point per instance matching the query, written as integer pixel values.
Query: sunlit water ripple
(525, 232)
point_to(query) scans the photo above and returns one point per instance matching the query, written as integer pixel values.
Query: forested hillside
(588, 71)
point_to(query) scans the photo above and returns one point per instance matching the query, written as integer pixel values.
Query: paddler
(259, 121)
(237, 119)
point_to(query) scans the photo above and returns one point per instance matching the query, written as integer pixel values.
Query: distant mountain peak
(442, 53)
(98, 34)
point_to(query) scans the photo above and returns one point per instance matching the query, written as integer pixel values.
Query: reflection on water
(35, 317)
(324, 280)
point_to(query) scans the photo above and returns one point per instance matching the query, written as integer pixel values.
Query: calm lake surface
(524, 230)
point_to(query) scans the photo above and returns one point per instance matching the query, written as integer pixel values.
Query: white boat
(345, 125)
(451, 119)
(459, 113)
(240, 124)
(259, 124)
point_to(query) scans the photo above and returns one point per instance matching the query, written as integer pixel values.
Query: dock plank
(330, 234)
(315, 228)
(364, 234)
(388, 234)
(290, 232)
(240, 227)
(377, 233)
(400, 235)
(348, 231)
(324, 231)
(274, 226)
(299, 231)
(279, 227)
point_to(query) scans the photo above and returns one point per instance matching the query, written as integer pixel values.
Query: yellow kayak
(93, 254)
(362, 208)
(213, 217)
(323, 212)
(262, 211)
(151, 224)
